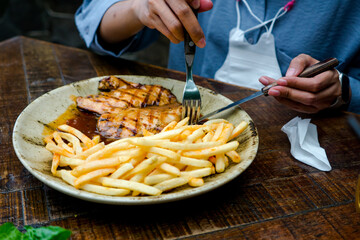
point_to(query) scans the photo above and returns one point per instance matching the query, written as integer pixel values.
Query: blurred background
(53, 21)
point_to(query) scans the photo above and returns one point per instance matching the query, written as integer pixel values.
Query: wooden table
(276, 197)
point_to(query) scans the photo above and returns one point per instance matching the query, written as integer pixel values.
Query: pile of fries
(180, 154)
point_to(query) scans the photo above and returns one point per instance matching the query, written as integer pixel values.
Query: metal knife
(311, 71)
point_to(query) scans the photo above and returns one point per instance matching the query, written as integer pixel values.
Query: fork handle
(189, 44)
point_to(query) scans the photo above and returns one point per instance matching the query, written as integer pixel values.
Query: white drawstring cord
(263, 24)
(281, 12)
(252, 14)
(275, 18)
(238, 14)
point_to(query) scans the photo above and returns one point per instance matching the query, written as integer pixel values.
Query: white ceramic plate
(29, 146)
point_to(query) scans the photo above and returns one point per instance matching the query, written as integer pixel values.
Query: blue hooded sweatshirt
(321, 29)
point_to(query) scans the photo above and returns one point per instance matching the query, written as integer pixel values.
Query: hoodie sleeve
(88, 18)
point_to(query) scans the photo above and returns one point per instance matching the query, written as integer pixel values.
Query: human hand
(171, 16)
(308, 95)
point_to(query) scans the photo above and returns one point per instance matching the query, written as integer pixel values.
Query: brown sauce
(70, 112)
(83, 121)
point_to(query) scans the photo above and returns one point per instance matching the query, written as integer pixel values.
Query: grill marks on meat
(130, 122)
(128, 108)
(112, 82)
(138, 95)
(100, 104)
(127, 95)
(147, 95)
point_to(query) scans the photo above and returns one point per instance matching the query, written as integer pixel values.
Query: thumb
(298, 64)
(205, 5)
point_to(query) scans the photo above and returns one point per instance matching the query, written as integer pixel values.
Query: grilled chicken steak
(126, 95)
(112, 82)
(100, 103)
(130, 122)
(126, 108)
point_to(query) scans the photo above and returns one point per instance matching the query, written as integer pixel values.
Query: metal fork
(191, 97)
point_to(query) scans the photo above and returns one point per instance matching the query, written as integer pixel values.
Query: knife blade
(311, 71)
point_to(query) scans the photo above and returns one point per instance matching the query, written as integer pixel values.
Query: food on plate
(117, 93)
(128, 109)
(150, 165)
(122, 123)
(151, 149)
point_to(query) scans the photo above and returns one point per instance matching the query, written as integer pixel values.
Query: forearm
(119, 23)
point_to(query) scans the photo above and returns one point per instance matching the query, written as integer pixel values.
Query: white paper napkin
(305, 145)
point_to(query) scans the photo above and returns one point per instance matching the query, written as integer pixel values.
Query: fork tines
(191, 109)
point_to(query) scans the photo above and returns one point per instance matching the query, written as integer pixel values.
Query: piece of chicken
(124, 95)
(112, 82)
(129, 122)
(100, 104)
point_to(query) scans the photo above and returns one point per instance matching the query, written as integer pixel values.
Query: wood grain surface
(277, 197)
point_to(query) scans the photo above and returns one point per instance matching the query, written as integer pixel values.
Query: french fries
(179, 155)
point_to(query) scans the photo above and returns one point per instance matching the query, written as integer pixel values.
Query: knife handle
(310, 71)
(319, 67)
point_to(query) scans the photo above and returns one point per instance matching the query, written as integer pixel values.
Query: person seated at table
(247, 43)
